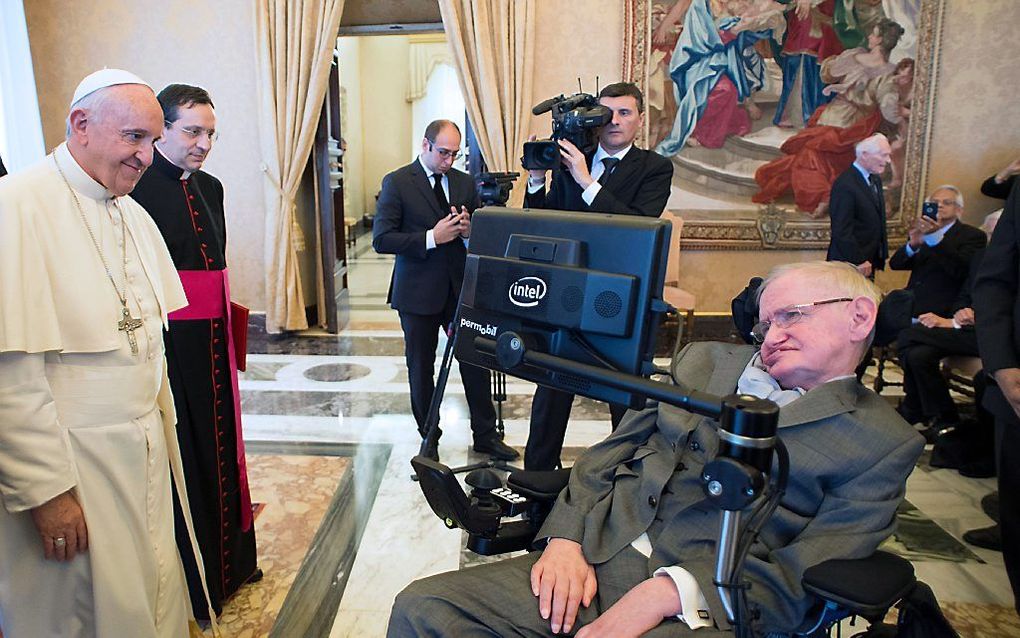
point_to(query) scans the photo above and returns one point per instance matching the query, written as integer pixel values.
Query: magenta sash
(208, 293)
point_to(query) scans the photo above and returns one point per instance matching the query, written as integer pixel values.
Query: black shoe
(256, 576)
(985, 537)
(495, 448)
(910, 415)
(430, 451)
(979, 469)
(928, 432)
(990, 506)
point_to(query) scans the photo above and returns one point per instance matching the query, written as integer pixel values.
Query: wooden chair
(672, 294)
(959, 371)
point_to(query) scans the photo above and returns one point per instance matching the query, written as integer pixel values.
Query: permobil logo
(527, 291)
(487, 329)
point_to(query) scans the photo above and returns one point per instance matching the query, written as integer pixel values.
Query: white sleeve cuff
(694, 610)
(534, 188)
(956, 326)
(588, 194)
(430, 239)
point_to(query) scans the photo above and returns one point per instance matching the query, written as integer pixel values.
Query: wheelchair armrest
(866, 587)
(539, 486)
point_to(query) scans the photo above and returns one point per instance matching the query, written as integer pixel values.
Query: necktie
(875, 186)
(437, 188)
(609, 163)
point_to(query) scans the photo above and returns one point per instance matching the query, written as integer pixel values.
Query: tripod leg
(431, 440)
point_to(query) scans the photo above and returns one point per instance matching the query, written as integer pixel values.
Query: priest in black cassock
(187, 206)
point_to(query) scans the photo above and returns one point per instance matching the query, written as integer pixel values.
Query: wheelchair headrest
(894, 313)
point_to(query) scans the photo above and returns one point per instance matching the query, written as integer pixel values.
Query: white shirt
(597, 168)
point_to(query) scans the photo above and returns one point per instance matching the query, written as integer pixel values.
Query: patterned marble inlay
(337, 372)
(296, 491)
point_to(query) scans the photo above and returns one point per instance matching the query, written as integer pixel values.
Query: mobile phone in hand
(930, 210)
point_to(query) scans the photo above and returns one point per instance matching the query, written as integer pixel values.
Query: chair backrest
(673, 256)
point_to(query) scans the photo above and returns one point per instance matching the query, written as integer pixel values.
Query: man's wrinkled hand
(575, 162)
(640, 610)
(932, 320)
(1008, 380)
(446, 229)
(61, 526)
(562, 579)
(864, 268)
(964, 316)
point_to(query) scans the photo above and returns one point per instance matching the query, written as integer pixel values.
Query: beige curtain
(295, 40)
(493, 45)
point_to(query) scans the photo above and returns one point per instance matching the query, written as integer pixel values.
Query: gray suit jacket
(850, 454)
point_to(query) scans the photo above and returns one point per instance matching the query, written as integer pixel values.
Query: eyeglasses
(445, 153)
(786, 317)
(942, 202)
(195, 132)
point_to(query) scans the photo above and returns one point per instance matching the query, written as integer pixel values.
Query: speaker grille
(576, 383)
(485, 285)
(572, 298)
(608, 304)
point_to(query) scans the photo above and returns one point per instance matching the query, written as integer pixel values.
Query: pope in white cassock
(86, 417)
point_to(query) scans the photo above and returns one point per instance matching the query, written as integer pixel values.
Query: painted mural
(759, 104)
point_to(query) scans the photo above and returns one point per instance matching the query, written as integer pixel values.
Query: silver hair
(950, 187)
(838, 274)
(869, 144)
(92, 103)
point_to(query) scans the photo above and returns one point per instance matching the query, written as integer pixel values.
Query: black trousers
(1007, 449)
(421, 337)
(920, 350)
(550, 412)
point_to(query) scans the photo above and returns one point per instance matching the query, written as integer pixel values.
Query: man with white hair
(86, 417)
(857, 209)
(630, 544)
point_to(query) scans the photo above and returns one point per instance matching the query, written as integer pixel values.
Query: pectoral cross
(129, 324)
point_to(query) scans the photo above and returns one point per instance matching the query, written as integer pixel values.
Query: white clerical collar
(185, 175)
(602, 153)
(77, 177)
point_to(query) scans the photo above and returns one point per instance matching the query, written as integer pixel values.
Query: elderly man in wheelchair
(630, 545)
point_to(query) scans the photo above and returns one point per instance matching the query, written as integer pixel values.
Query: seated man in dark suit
(617, 177)
(630, 544)
(938, 254)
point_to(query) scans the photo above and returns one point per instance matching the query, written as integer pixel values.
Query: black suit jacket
(997, 302)
(857, 221)
(639, 185)
(407, 207)
(938, 272)
(991, 188)
(3, 171)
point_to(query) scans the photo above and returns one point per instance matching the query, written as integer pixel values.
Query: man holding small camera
(616, 177)
(424, 218)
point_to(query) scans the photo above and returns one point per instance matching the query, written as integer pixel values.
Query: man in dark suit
(616, 177)
(631, 542)
(857, 209)
(424, 218)
(999, 185)
(938, 254)
(997, 311)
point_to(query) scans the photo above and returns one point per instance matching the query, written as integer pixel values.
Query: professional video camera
(494, 188)
(575, 118)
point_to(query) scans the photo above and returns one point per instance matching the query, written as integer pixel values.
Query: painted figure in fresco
(810, 39)
(861, 81)
(716, 69)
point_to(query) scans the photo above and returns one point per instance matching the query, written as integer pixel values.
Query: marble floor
(346, 396)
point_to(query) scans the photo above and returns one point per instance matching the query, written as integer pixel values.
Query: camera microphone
(545, 105)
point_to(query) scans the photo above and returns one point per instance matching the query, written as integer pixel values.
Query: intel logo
(527, 291)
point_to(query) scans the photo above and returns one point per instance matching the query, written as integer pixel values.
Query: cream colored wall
(575, 39)
(385, 111)
(354, 158)
(208, 44)
(976, 109)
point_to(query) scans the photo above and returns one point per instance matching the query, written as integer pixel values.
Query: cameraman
(616, 178)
